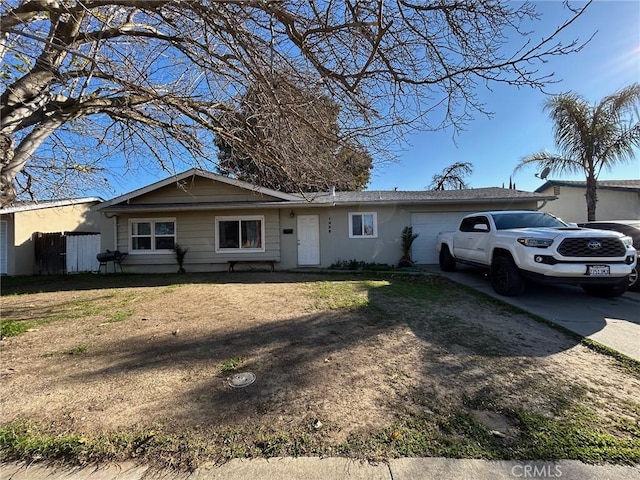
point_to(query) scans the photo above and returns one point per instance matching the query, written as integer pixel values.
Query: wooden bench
(233, 263)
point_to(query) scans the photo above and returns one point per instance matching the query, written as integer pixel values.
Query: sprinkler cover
(241, 380)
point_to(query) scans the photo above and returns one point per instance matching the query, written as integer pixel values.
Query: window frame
(468, 223)
(152, 222)
(362, 215)
(240, 219)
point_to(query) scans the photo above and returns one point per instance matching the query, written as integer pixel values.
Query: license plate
(598, 270)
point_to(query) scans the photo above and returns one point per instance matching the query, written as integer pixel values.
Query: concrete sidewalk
(336, 469)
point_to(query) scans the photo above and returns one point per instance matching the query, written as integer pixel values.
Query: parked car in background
(631, 228)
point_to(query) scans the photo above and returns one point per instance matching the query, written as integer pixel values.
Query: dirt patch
(341, 354)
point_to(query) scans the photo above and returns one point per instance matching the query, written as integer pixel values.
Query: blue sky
(519, 127)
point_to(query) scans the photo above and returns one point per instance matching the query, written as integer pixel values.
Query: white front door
(308, 240)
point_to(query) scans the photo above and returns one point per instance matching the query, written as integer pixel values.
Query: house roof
(195, 172)
(427, 196)
(627, 185)
(26, 206)
(318, 199)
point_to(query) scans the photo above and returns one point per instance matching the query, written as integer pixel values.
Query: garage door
(428, 225)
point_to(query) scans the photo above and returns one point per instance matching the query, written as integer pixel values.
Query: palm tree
(591, 137)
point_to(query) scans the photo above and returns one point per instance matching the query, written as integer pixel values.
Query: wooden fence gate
(81, 252)
(50, 250)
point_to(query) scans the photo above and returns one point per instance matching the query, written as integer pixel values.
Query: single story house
(19, 223)
(221, 220)
(617, 199)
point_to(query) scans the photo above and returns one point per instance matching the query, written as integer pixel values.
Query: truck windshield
(506, 220)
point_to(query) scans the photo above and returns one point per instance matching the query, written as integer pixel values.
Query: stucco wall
(335, 243)
(78, 218)
(571, 204)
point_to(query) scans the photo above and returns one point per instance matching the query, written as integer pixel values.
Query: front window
(245, 234)
(363, 225)
(149, 235)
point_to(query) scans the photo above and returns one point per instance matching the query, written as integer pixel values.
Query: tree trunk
(592, 197)
(7, 189)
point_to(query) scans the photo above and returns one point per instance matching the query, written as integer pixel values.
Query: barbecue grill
(116, 257)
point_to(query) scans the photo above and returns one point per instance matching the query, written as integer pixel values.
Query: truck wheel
(447, 262)
(634, 284)
(607, 291)
(505, 277)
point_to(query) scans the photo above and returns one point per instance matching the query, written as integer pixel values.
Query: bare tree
(452, 177)
(148, 80)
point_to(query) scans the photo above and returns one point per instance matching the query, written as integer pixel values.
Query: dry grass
(138, 366)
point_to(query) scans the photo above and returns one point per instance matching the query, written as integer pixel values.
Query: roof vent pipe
(333, 191)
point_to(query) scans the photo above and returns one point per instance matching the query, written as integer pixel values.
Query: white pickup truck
(519, 245)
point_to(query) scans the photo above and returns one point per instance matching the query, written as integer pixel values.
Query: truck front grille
(591, 247)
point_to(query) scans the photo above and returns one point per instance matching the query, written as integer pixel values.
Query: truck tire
(634, 283)
(505, 277)
(446, 260)
(607, 291)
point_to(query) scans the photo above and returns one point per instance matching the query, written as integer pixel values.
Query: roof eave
(570, 184)
(50, 204)
(440, 201)
(298, 204)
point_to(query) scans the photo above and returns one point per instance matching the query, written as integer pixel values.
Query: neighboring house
(617, 200)
(20, 222)
(219, 219)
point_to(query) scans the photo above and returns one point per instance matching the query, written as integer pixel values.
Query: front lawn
(107, 368)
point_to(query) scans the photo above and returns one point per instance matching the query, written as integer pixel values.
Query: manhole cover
(241, 380)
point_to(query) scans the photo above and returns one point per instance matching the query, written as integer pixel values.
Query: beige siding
(571, 204)
(196, 231)
(200, 189)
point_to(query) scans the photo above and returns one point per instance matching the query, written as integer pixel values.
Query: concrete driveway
(614, 322)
